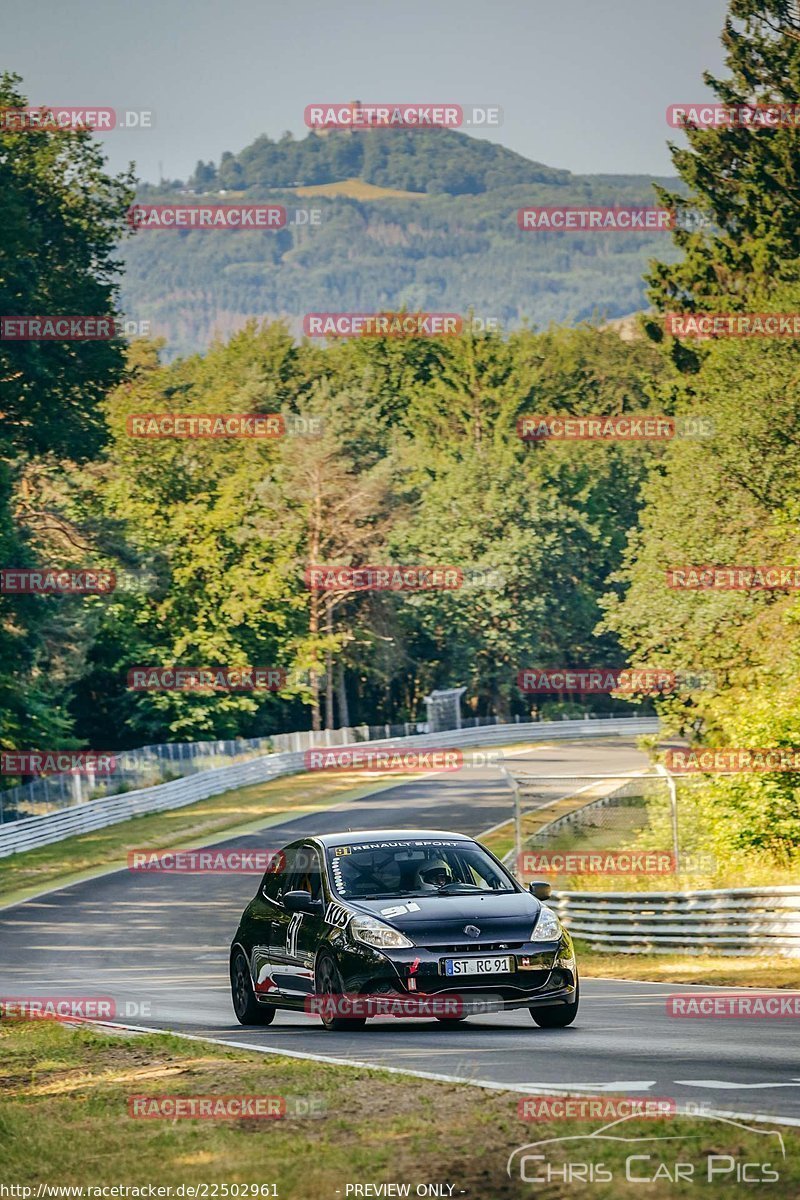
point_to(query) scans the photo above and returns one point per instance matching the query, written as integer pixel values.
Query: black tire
(557, 1016)
(450, 1021)
(247, 1008)
(328, 982)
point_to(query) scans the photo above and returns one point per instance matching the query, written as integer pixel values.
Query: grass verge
(719, 970)
(64, 1120)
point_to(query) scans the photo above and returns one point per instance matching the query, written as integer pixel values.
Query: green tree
(744, 181)
(206, 511)
(730, 501)
(536, 528)
(63, 218)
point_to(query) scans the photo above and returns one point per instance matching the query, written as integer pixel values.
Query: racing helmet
(433, 874)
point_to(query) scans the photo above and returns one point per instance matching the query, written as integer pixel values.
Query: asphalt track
(158, 945)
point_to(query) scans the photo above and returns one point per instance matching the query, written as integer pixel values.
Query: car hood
(437, 919)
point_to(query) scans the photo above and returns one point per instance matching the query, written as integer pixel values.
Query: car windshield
(376, 870)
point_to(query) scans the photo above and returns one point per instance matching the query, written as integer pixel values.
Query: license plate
(479, 966)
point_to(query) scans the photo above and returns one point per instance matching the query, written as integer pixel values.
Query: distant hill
(419, 160)
(422, 220)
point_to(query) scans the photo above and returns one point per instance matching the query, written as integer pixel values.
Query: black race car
(415, 922)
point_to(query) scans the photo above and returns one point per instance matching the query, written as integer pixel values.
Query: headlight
(375, 933)
(547, 927)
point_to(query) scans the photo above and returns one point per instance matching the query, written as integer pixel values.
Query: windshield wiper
(469, 889)
(390, 896)
(449, 889)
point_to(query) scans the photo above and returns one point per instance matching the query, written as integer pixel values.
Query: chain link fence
(588, 829)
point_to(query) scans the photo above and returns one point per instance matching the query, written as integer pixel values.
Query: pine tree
(743, 182)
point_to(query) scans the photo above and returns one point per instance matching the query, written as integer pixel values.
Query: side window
(483, 872)
(304, 875)
(273, 883)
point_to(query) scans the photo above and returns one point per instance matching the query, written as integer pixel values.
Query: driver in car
(433, 875)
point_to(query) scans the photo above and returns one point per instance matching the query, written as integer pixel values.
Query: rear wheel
(330, 988)
(247, 1008)
(557, 1016)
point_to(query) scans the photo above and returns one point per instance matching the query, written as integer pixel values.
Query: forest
(406, 451)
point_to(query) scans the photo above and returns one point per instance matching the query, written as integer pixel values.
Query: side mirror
(540, 889)
(299, 901)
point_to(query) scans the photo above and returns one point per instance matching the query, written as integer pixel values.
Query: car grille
(523, 984)
(474, 947)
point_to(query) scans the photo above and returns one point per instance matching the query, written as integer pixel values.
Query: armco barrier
(738, 921)
(30, 832)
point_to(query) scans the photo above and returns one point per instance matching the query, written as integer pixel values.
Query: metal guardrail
(140, 768)
(147, 766)
(737, 921)
(31, 832)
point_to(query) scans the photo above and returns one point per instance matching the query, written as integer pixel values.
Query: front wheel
(557, 1016)
(330, 989)
(247, 1008)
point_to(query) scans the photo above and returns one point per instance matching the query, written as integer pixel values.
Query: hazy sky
(583, 84)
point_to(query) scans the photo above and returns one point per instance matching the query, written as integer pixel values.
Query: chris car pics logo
(730, 1152)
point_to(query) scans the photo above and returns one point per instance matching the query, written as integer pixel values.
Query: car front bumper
(544, 973)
